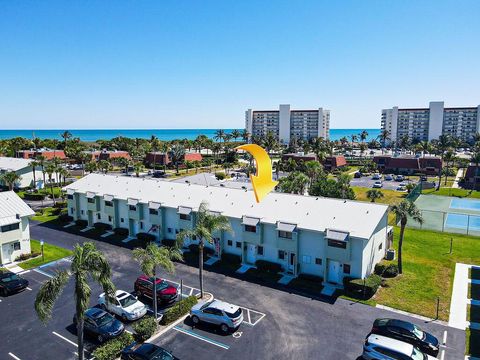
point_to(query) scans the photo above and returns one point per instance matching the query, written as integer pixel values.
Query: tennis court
(443, 213)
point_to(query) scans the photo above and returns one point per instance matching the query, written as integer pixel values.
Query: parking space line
(13, 356)
(64, 338)
(444, 337)
(249, 317)
(28, 288)
(442, 355)
(191, 292)
(200, 337)
(43, 273)
(249, 322)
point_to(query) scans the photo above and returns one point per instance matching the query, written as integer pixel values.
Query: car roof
(147, 278)
(94, 313)
(389, 343)
(147, 349)
(222, 305)
(6, 274)
(120, 294)
(400, 323)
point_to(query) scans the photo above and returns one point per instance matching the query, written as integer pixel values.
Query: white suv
(378, 347)
(216, 312)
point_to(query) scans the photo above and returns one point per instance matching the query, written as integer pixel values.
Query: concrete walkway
(457, 178)
(14, 268)
(458, 306)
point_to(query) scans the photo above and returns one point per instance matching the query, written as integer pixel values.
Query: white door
(333, 272)
(7, 253)
(251, 250)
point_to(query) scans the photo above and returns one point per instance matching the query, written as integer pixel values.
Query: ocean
(91, 135)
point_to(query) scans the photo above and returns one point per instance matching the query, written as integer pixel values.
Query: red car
(166, 293)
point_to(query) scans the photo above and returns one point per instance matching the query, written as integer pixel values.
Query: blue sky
(200, 64)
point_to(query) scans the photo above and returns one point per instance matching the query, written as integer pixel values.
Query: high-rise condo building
(429, 123)
(286, 123)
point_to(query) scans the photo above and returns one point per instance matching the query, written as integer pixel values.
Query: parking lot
(277, 324)
(367, 182)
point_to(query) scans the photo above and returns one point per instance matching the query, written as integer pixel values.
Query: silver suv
(216, 312)
(378, 347)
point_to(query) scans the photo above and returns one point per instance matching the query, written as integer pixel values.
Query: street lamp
(41, 244)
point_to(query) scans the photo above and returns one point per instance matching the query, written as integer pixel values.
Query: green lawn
(446, 191)
(47, 191)
(46, 214)
(51, 253)
(390, 197)
(428, 271)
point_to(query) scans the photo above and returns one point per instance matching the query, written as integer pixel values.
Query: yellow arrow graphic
(262, 181)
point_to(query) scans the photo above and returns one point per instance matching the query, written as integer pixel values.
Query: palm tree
(87, 263)
(235, 134)
(177, 154)
(374, 194)
(65, 135)
(91, 166)
(104, 165)
(51, 169)
(312, 169)
(245, 135)
(354, 138)
(206, 224)
(219, 135)
(138, 168)
(404, 210)
(384, 136)
(155, 146)
(424, 147)
(153, 257)
(363, 135)
(449, 158)
(10, 178)
(34, 164)
(41, 161)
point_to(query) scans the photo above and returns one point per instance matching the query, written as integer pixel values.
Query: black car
(407, 332)
(11, 283)
(146, 351)
(357, 175)
(100, 324)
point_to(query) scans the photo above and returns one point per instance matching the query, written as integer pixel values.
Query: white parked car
(227, 316)
(378, 347)
(377, 184)
(127, 306)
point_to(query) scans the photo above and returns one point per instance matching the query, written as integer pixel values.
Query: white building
(429, 123)
(330, 238)
(23, 168)
(14, 227)
(286, 123)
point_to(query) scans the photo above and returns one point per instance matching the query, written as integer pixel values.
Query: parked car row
(392, 339)
(11, 283)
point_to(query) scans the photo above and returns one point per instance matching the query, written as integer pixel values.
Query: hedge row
(145, 237)
(362, 288)
(112, 348)
(232, 258)
(145, 328)
(386, 270)
(81, 223)
(65, 218)
(34, 197)
(60, 205)
(178, 310)
(24, 257)
(102, 226)
(121, 231)
(268, 266)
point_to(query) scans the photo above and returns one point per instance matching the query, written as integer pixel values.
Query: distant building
(428, 165)
(285, 123)
(425, 124)
(300, 156)
(160, 158)
(48, 154)
(108, 155)
(472, 178)
(24, 169)
(14, 227)
(334, 162)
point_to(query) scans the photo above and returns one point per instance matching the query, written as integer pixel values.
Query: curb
(420, 317)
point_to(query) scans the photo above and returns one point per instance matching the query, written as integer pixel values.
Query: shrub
(362, 288)
(60, 205)
(220, 175)
(23, 257)
(102, 226)
(81, 223)
(145, 328)
(386, 270)
(121, 231)
(268, 266)
(146, 238)
(65, 218)
(310, 277)
(169, 242)
(34, 197)
(178, 310)
(232, 258)
(112, 348)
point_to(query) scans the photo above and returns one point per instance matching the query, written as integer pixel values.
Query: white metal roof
(314, 213)
(12, 205)
(13, 164)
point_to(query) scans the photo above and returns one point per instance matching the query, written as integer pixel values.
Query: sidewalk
(457, 178)
(458, 306)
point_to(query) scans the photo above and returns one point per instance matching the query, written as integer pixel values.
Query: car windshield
(235, 314)
(160, 354)
(418, 355)
(418, 333)
(207, 304)
(104, 320)
(162, 285)
(9, 278)
(127, 301)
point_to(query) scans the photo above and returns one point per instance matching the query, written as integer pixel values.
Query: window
(346, 269)
(108, 203)
(380, 246)
(177, 231)
(153, 211)
(318, 261)
(185, 217)
(229, 242)
(306, 259)
(281, 254)
(70, 197)
(82, 212)
(141, 224)
(132, 208)
(109, 218)
(169, 230)
(337, 244)
(91, 200)
(122, 220)
(72, 211)
(260, 250)
(16, 245)
(238, 244)
(285, 234)
(99, 216)
(11, 227)
(250, 228)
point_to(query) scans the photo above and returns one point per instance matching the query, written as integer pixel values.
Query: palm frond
(48, 294)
